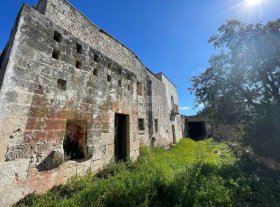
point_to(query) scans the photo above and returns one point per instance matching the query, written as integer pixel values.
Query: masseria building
(74, 99)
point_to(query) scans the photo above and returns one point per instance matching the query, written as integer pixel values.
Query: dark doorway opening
(197, 130)
(174, 134)
(75, 140)
(121, 137)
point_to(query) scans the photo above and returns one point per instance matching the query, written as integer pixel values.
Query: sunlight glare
(253, 2)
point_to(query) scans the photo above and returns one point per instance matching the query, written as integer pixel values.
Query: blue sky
(167, 35)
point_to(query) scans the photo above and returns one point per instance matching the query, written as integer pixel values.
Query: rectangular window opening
(78, 64)
(57, 36)
(74, 142)
(120, 83)
(95, 71)
(61, 84)
(141, 124)
(79, 48)
(128, 87)
(56, 54)
(109, 65)
(96, 58)
(109, 78)
(139, 89)
(156, 125)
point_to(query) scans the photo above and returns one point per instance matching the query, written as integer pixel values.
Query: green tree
(242, 83)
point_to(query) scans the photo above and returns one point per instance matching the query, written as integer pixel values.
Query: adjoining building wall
(171, 92)
(184, 126)
(65, 80)
(175, 129)
(160, 123)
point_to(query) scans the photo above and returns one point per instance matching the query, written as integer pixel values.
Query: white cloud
(183, 108)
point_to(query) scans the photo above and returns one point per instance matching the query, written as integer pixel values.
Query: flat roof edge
(167, 78)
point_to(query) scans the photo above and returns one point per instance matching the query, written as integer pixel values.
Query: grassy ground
(192, 173)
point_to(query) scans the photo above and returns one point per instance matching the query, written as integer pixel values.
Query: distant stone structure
(196, 127)
(74, 99)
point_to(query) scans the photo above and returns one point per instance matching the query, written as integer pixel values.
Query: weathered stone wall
(184, 124)
(171, 90)
(5, 80)
(97, 82)
(6, 72)
(60, 12)
(1, 61)
(172, 99)
(158, 106)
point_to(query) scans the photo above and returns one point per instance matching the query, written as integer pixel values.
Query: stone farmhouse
(73, 99)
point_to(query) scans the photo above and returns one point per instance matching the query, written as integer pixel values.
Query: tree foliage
(242, 83)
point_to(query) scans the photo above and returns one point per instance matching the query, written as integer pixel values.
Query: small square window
(95, 71)
(109, 78)
(57, 36)
(96, 58)
(56, 54)
(79, 48)
(141, 124)
(120, 83)
(78, 64)
(61, 84)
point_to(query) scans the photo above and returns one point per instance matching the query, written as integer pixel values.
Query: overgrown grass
(192, 173)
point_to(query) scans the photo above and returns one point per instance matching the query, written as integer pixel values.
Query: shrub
(197, 189)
